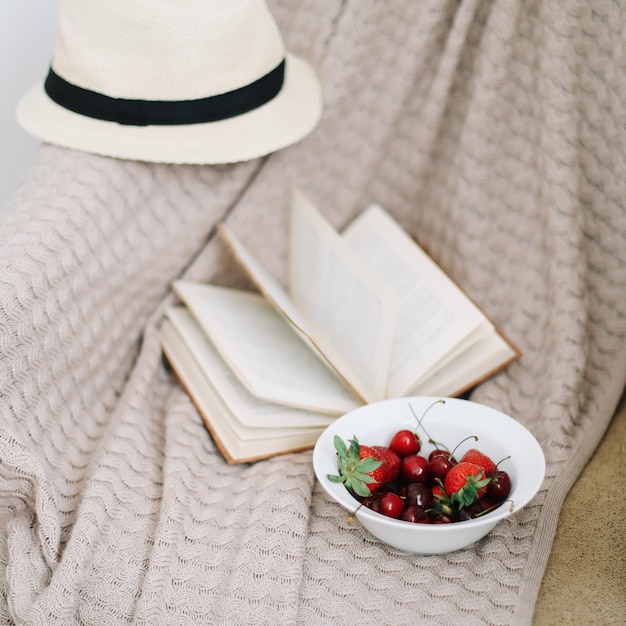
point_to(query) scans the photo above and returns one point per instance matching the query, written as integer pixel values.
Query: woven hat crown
(164, 50)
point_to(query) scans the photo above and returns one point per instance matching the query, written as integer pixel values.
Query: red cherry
(440, 465)
(440, 452)
(414, 469)
(405, 442)
(446, 452)
(476, 509)
(499, 486)
(391, 505)
(418, 494)
(464, 516)
(416, 515)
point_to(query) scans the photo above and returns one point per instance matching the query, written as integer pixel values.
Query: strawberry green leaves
(355, 472)
(465, 483)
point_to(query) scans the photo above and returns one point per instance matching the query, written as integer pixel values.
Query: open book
(366, 315)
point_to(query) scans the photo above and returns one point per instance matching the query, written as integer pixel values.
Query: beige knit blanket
(495, 132)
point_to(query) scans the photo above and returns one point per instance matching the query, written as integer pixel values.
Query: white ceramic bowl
(498, 436)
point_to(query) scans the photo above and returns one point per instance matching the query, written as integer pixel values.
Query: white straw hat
(172, 81)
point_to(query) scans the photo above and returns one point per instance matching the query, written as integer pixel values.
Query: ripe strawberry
(465, 483)
(363, 469)
(482, 460)
(437, 491)
(441, 504)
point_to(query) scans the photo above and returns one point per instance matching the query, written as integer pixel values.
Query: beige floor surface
(585, 581)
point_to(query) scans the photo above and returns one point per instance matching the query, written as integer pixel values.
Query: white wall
(27, 34)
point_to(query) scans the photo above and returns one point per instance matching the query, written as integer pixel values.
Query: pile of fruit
(397, 481)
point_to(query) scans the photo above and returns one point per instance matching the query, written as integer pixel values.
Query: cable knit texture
(494, 132)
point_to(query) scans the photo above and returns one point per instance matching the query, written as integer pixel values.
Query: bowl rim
(533, 478)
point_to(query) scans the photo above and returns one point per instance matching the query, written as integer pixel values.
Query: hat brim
(286, 119)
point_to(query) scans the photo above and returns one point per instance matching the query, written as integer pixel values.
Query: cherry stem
(352, 515)
(474, 437)
(420, 419)
(502, 460)
(440, 446)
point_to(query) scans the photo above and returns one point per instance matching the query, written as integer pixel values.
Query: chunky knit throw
(495, 132)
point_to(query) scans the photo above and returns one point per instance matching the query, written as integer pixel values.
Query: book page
(263, 349)
(278, 297)
(266, 283)
(252, 412)
(239, 441)
(485, 357)
(434, 316)
(351, 310)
